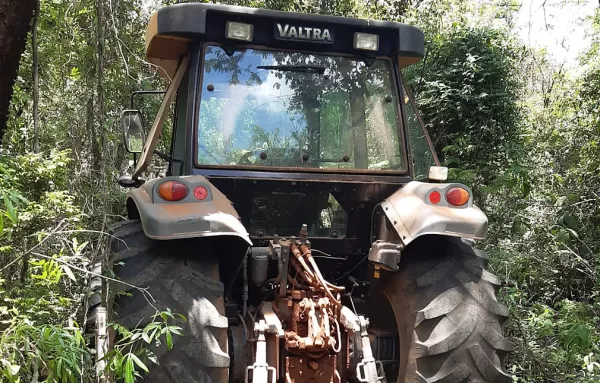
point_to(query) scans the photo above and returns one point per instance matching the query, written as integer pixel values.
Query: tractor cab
(295, 118)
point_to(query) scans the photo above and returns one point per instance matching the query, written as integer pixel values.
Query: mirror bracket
(127, 182)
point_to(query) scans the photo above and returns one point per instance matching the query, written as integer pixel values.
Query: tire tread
(452, 295)
(185, 285)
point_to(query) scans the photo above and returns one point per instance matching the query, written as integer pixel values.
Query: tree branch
(144, 290)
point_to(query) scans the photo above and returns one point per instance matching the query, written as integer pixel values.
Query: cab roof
(173, 28)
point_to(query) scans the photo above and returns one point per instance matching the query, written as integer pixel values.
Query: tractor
(304, 225)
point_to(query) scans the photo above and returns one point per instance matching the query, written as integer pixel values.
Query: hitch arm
(368, 370)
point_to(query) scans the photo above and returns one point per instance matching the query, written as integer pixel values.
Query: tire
(449, 321)
(179, 275)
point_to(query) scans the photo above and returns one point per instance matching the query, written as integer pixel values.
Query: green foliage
(549, 238)
(132, 352)
(42, 285)
(40, 338)
(469, 101)
(50, 352)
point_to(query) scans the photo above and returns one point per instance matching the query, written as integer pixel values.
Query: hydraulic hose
(302, 271)
(306, 251)
(323, 282)
(298, 254)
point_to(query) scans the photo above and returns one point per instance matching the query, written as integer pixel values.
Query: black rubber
(182, 276)
(449, 321)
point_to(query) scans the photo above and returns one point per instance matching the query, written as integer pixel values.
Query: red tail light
(172, 191)
(435, 197)
(200, 193)
(457, 196)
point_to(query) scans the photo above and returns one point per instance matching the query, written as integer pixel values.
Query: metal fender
(190, 217)
(413, 215)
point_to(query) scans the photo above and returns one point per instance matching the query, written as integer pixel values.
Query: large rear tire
(182, 276)
(449, 321)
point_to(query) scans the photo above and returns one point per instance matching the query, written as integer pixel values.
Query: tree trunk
(36, 79)
(15, 22)
(97, 124)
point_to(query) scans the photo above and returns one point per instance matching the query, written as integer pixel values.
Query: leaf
(169, 340)
(578, 335)
(176, 330)
(167, 314)
(573, 233)
(80, 248)
(4, 171)
(13, 369)
(569, 221)
(10, 210)
(128, 371)
(69, 273)
(182, 317)
(139, 363)
(151, 357)
(150, 326)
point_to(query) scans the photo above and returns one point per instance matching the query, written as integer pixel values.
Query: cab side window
(422, 155)
(179, 129)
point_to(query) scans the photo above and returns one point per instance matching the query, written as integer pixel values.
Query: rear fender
(413, 215)
(189, 218)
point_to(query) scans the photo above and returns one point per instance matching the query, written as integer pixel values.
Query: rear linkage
(312, 311)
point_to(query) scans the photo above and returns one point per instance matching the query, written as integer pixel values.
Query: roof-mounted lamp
(239, 31)
(366, 42)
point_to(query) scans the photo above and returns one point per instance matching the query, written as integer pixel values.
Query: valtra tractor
(304, 226)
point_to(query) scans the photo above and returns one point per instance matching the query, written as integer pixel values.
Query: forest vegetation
(519, 127)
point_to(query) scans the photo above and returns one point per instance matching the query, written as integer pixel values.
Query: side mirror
(133, 130)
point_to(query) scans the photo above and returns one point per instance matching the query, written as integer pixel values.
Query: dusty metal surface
(307, 316)
(413, 216)
(385, 254)
(313, 325)
(262, 372)
(305, 335)
(307, 370)
(188, 218)
(313, 320)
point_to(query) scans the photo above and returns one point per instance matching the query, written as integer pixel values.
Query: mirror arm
(166, 157)
(163, 155)
(157, 126)
(144, 92)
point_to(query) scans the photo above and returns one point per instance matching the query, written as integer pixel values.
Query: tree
(15, 22)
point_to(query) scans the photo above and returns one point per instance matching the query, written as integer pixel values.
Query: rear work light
(457, 196)
(172, 191)
(239, 31)
(366, 42)
(438, 173)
